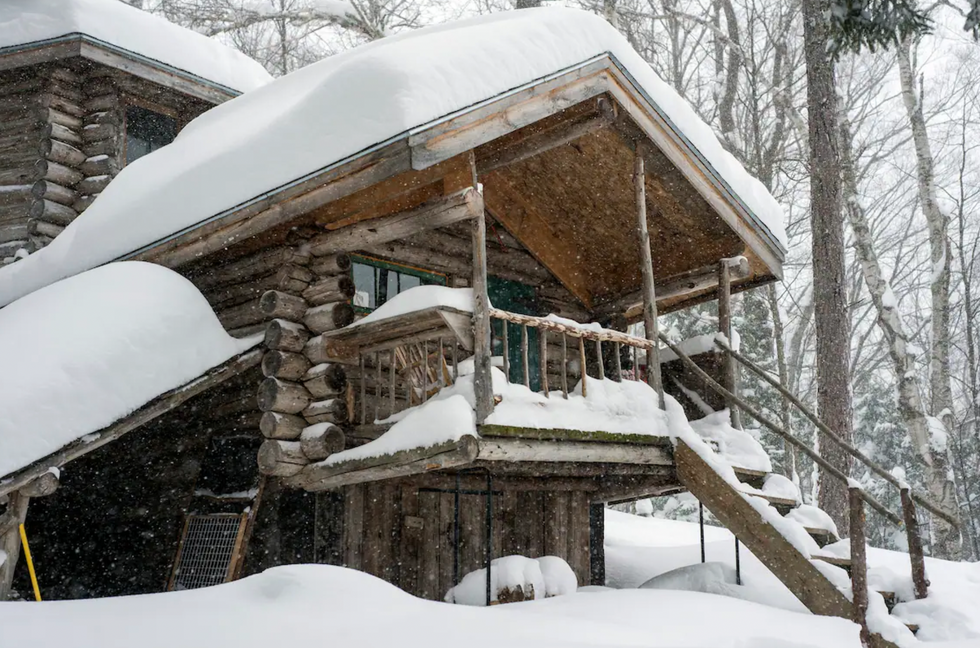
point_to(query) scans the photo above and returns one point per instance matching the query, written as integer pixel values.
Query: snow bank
(628, 407)
(813, 518)
(442, 420)
(537, 578)
(328, 111)
(421, 298)
(738, 447)
(86, 351)
(27, 21)
(314, 605)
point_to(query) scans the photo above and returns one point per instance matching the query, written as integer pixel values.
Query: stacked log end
(58, 169)
(103, 138)
(40, 137)
(303, 396)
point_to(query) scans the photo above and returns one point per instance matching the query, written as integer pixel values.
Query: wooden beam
(275, 208)
(440, 212)
(502, 449)
(693, 281)
(646, 267)
(155, 408)
(731, 508)
(10, 540)
(488, 430)
(392, 195)
(545, 141)
(729, 378)
(500, 116)
(320, 476)
(482, 379)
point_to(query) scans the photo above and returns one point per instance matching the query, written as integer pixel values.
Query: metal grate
(208, 550)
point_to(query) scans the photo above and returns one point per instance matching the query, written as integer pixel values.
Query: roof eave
(98, 51)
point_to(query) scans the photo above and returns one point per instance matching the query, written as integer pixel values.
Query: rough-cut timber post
(728, 380)
(859, 563)
(654, 378)
(919, 580)
(481, 319)
(10, 540)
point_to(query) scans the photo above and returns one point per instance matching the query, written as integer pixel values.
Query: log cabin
(443, 262)
(87, 88)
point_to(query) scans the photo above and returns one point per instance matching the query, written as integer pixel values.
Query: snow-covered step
(823, 537)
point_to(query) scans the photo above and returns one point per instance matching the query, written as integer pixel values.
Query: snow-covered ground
(639, 549)
(313, 604)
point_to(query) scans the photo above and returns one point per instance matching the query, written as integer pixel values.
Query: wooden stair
(794, 569)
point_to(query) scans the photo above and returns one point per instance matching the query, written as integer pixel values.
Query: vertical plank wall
(404, 534)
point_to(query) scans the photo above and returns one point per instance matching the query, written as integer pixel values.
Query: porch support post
(10, 539)
(728, 368)
(646, 266)
(482, 385)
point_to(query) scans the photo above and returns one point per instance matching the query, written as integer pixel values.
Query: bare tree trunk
(827, 232)
(911, 407)
(788, 464)
(946, 542)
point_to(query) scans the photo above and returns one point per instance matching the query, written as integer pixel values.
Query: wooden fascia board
(93, 49)
(520, 107)
(36, 53)
(475, 125)
(159, 406)
(698, 172)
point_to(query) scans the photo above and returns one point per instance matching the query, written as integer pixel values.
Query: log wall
(62, 140)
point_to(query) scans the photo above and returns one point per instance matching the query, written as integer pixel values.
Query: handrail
(854, 452)
(759, 416)
(607, 335)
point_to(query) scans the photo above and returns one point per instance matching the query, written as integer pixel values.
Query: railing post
(859, 563)
(646, 266)
(482, 385)
(919, 580)
(728, 380)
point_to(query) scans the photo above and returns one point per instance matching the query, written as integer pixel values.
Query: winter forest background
(909, 145)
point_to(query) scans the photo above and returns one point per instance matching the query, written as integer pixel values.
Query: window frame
(403, 268)
(130, 101)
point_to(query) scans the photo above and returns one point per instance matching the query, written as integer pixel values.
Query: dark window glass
(146, 131)
(377, 281)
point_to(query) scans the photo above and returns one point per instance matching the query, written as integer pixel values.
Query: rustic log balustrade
(909, 498)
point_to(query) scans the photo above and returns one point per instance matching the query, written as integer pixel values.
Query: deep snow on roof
(23, 22)
(87, 351)
(328, 111)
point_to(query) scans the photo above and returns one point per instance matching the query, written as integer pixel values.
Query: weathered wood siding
(62, 139)
(405, 534)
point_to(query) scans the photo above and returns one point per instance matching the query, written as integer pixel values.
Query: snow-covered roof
(87, 351)
(327, 112)
(25, 23)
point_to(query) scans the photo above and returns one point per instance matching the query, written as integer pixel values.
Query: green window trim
(381, 280)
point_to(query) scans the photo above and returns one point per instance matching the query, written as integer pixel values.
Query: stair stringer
(790, 566)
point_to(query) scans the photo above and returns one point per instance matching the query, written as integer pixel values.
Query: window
(146, 131)
(377, 281)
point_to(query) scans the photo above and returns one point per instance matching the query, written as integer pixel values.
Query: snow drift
(23, 22)
(86, 351)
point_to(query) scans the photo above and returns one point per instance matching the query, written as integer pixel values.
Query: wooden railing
(581, 335)
(857, 496)
(401, 374)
